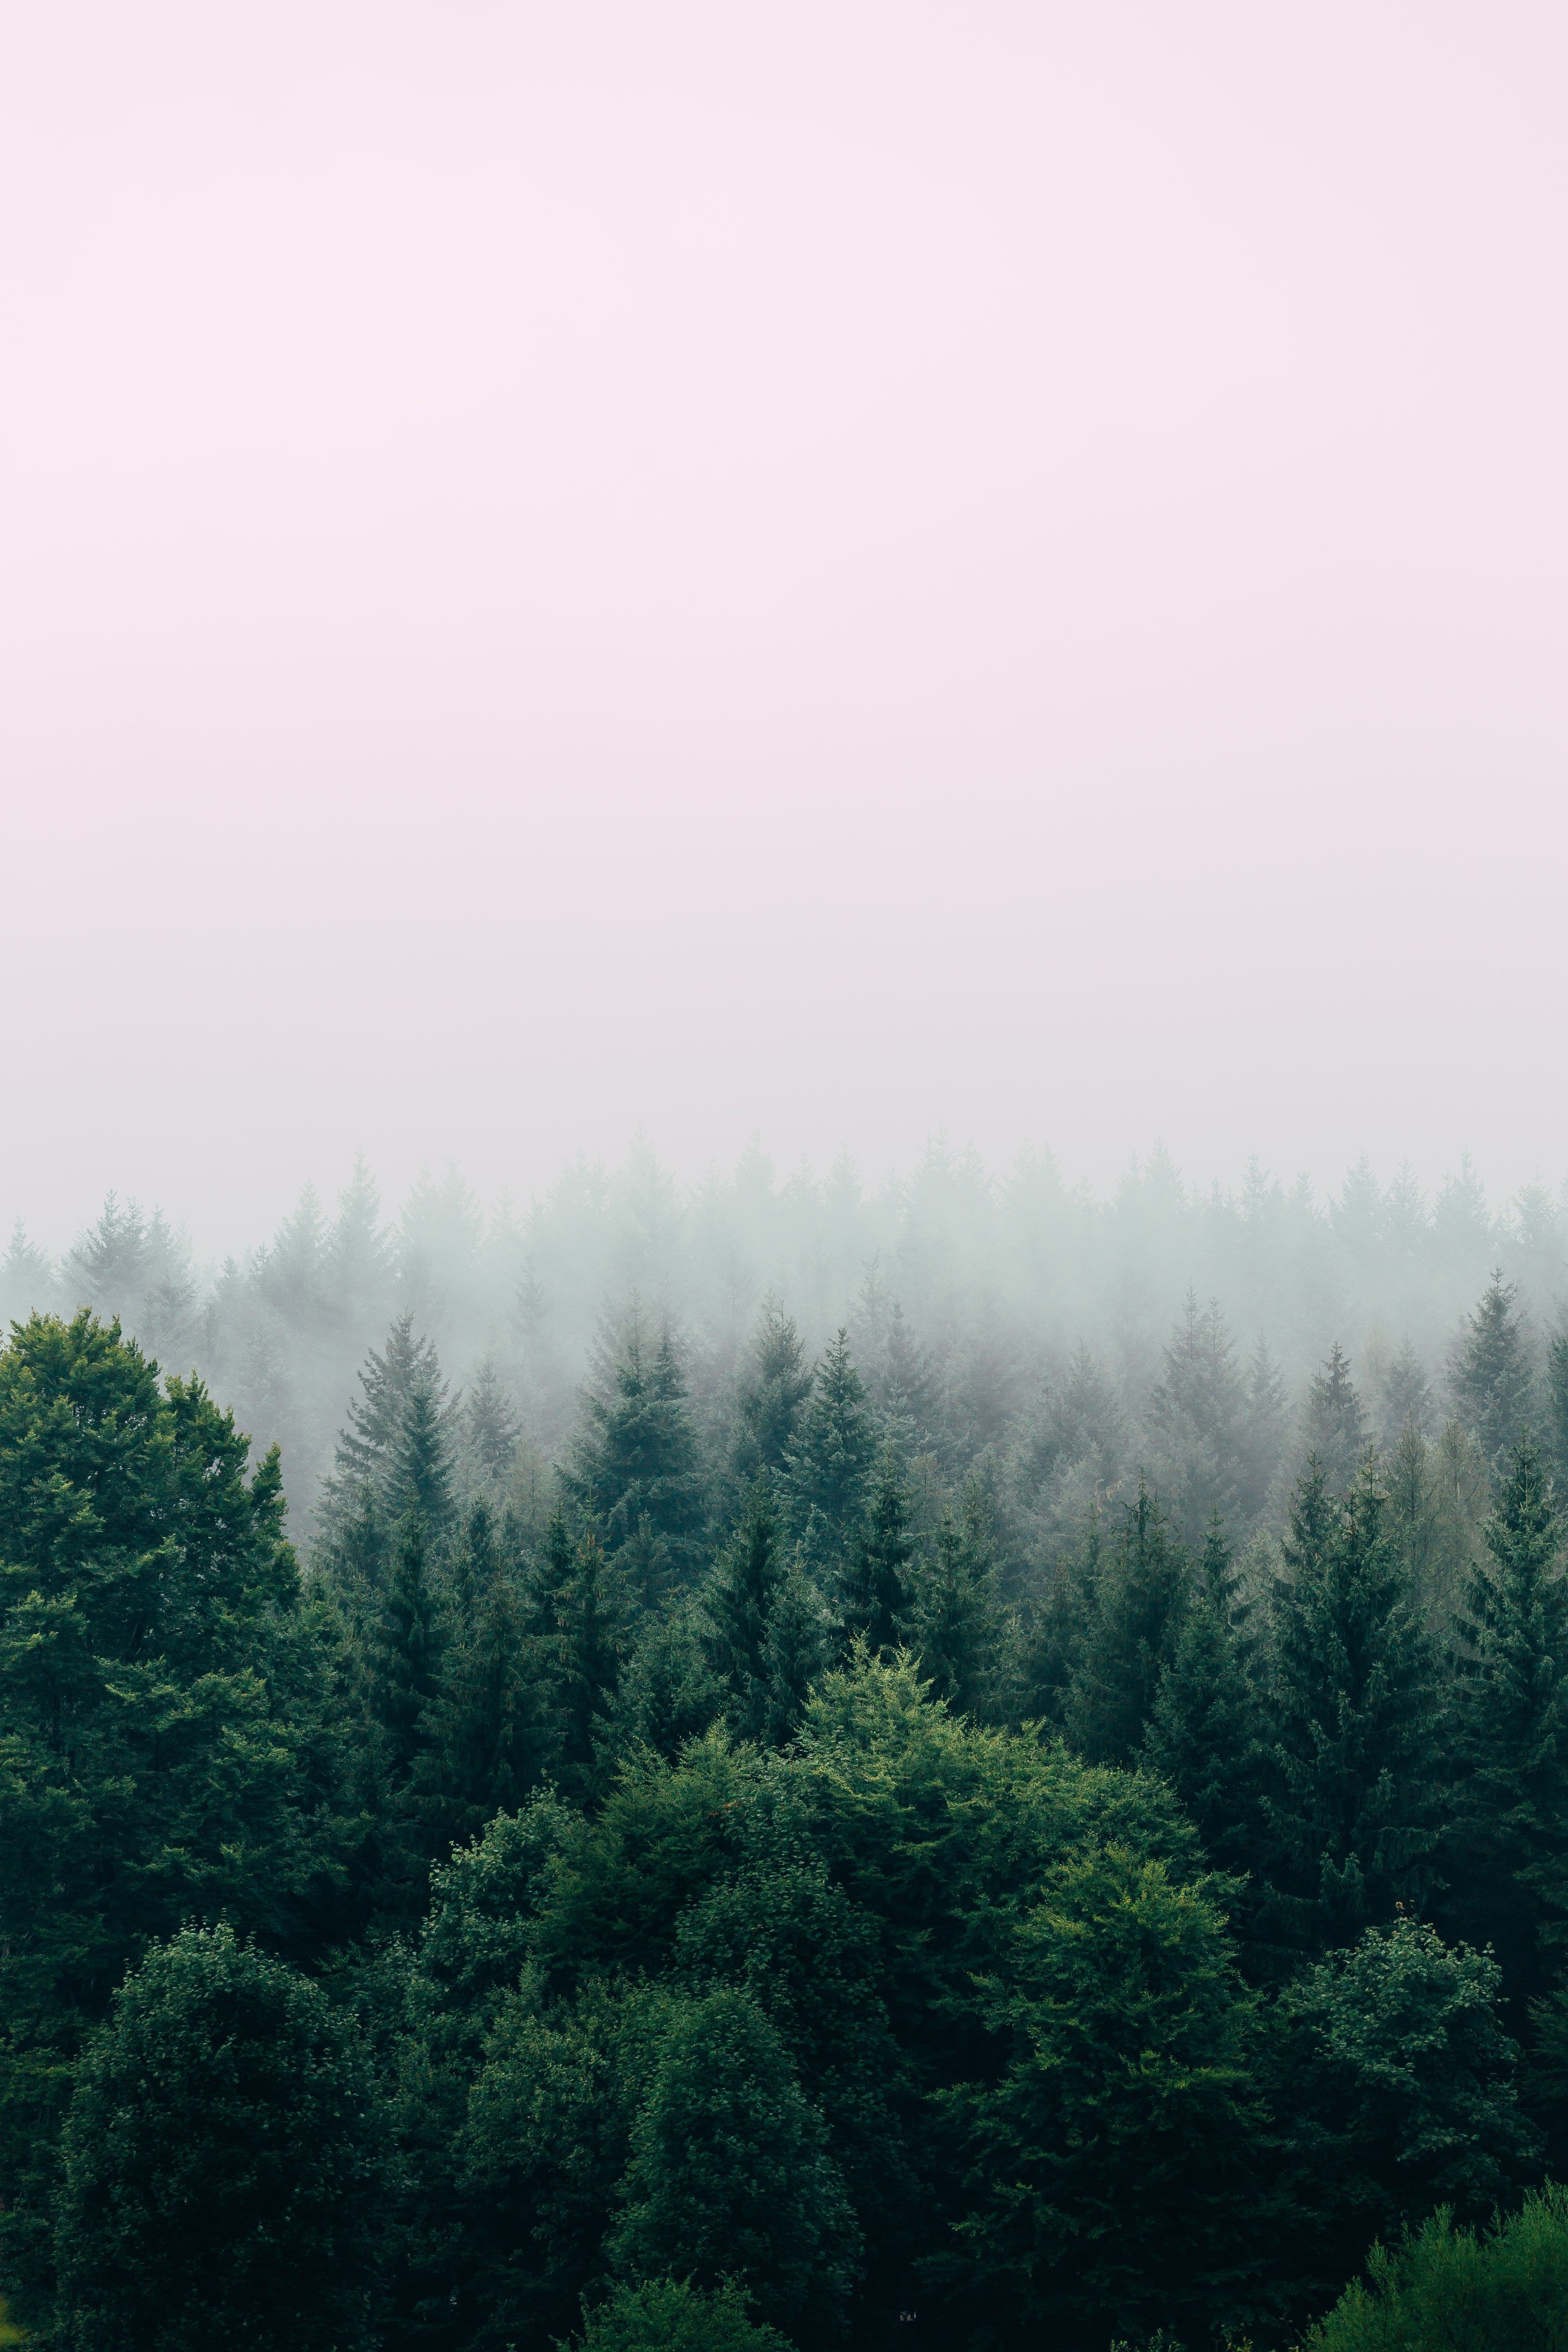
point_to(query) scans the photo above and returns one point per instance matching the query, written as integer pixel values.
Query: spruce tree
(406, 1654)
(875, 1592)
(1197, 1420)
(635, 1459)
(1508, 1848)
(1407, 1397)
(420, 1473)
(772, 1397)
(956, 1614)
(1135, 1613)
(1493, 1376)
(1205, 1731)
(829, 1468)
(1335, 1425)
(590, 1628)
(739, 1601)
(1557, 1409)
(491, 1426)
(491, 1738)
(1353, 1762)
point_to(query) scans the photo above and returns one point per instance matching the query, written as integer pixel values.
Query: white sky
(836, 570)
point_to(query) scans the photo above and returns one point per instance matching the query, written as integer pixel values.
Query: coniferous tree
(1557, 1408)
(1407, 1397)
(635, 1460)
(367, 1456)
(406, 1657)
(1509, 1850)
(1206, 1730)
(590, 1628)
(772, 1397)
(491, 1426)
(875, 1592)
(1136, 1607)
(1353, 1762)
(491, 1740)
(420, 1473)
(1198, 1416)
(956, 1614)
(829, 1468)
(1493, 1376)
(1335, 1425)
(739, 1602)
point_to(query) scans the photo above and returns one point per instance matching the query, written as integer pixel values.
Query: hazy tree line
(882, 1830)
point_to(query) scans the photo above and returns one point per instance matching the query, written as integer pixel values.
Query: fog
(844, 574)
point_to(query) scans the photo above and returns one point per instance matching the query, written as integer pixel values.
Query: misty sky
(834, 570)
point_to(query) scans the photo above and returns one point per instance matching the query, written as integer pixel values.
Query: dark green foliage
(1396, 2093)
(829, 1467)
(1556, 1415)
(1504, 2289)
(421, 1469)
(763, 1636)
(1205, 1734)
(492, 1425)
(731, 2174)
(875, 1588)
(223, 2175)
(1354, 1760)
(673, 2316)
(956, 1611)
(1506, 1853)
(635, 1466)
(1133, 1622)
(1109, 2166)
(585, 1651)
(1493, 1374)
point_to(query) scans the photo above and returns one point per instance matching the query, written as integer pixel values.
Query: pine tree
(1406, 1397)
(1557, 1408)
(420, 1478)
(1138, 1600)
(1267, 1419)
(635, 1457)
(772, 1398)
(1198, 1417)
(590, 1622)
(407, 1654)
(1335, 1426)
(828, 1469)
(1352, 1764)
(358, 1257)
(1510, 1843)
(1205, 1732)
(491, 1738)
(956, 1613)
(366, 1456)
(491, 1426)
(876, 1584)
(1492, 1375)
(739, 1601)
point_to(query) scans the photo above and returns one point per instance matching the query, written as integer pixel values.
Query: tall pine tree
(1493, 1374)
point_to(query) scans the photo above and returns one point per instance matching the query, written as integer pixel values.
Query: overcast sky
(836, 570)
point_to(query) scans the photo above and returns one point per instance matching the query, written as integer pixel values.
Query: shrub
(1452, 2290)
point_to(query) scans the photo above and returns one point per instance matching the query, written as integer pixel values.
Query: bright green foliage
(673, 2316)
(1448, 2289)
(731, 2174)
(1397, 2091)
(1510, 1844)
(1354, 1758)
(829, 1467)
(1108, 2166)
(223, 2176)
(1493, 1374)
(635, 1460)
(876, 1577)
(1136, 1608)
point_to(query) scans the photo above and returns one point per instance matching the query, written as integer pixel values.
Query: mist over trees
(966, 1768)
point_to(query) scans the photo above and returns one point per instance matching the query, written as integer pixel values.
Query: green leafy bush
(1452, 2290)
(672, 2316)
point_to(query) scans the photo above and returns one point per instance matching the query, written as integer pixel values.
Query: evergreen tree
(1267, 1418)
(491, 1737)
(1406, 1397)
(358, 1255)
(634, 1459)
(420, 1471)
(1335, 1422)
(1509, 1848)
(739, 1602)
(957, 1616)
(590, 1626)
(1133, 1622)
(876, 1583)
(829, 1468)
(1205, 1731)
(372, 1454)
(772, 1398)
(1557, 1408)
(1352, 1761)
(407, 1657)
(491, 1426)
(1493, 1376)
(1197, 1418)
